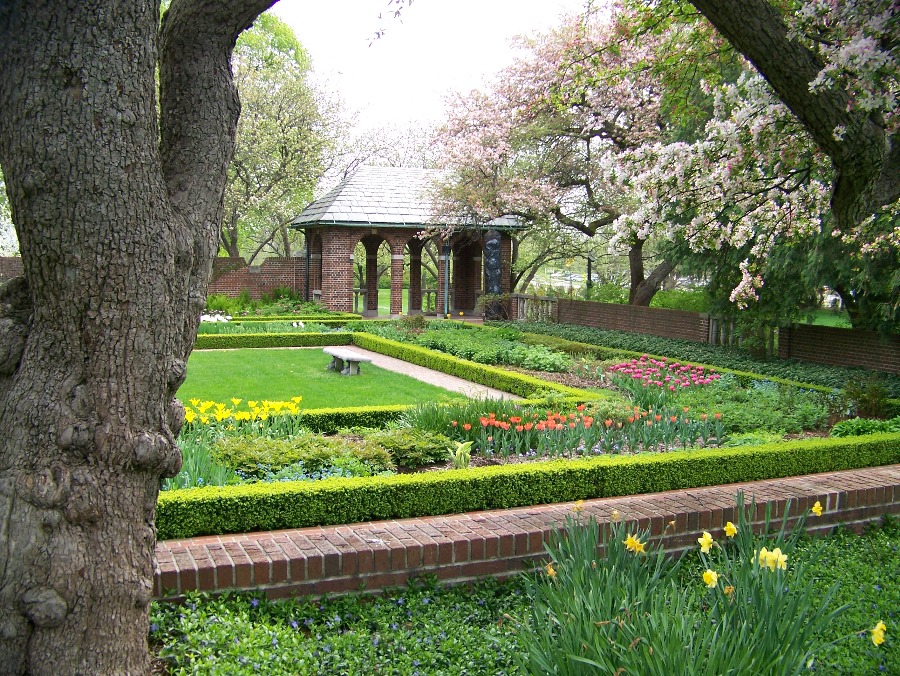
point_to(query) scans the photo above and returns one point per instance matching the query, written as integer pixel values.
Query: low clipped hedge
(239, 509)
(231, 341)
(489, 376)
(319, 319)
(330, 420)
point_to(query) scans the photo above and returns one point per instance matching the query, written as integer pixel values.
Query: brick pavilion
(375, 205)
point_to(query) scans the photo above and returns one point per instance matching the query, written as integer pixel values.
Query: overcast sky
(435, 47)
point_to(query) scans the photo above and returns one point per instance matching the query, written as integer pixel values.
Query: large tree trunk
(117, 238)
(642, 289)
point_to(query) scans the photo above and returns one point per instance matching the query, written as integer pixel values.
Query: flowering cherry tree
(543, 143)
(805, 148)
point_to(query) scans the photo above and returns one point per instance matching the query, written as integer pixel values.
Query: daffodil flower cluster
(772, 560)
(206, 412)
(633, 544)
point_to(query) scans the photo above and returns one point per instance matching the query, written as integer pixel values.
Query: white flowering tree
(802, 151)
(544, 143)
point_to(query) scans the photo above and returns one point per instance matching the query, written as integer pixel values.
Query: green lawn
(384, 301)
(280, 374)
(838, 319)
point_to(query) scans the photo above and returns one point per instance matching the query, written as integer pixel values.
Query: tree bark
(117, 236)
(867, 160)
(642, 289)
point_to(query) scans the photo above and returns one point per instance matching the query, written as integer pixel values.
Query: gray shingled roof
(381, 196)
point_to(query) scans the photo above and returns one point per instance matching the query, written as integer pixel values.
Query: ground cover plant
(279, 374)
(723, 357)
(478, 344)
(278, 302)
(233, 327)
(476, 629)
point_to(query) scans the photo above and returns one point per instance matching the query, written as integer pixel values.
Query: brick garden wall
(840, 347)
(654, 321)
(231, 276)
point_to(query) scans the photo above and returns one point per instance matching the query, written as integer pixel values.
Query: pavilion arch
(376, 205)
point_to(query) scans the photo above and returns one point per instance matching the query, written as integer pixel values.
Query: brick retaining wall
(460, 547)
(636, 319)
(840, 347)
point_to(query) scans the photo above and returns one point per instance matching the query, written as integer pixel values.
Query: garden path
(452, 383)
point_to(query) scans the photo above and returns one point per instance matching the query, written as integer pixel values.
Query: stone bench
(339, 355)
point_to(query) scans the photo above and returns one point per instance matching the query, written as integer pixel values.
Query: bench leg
(336, 364)
(354, 368)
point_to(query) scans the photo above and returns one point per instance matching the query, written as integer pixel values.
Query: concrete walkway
(452, 383)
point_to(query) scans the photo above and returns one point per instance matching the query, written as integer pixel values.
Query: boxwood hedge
(237, 509)
(239, 340)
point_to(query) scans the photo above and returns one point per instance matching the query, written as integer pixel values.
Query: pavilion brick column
(443, 265)
(414, 301)
(337, 269)
(371, 277)
(315, 266)
(396, 284)
(506, 262)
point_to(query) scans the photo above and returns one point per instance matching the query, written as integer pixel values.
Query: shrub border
(241, 509)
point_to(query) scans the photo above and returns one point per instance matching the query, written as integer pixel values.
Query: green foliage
(330, 420)
(410, 447)
(252, 457)
(256, 340)
(506, 381)
(239, 509)
(483, 346)
(471, 628)
(868, 397)
(689, 300)
(294, 326)
(422, 629)
(856, 427)
(462, 455)
(735, 359)
(757, 438)
(625, 610)
(758, 405)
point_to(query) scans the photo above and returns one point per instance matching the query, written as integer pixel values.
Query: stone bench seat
(339, 355)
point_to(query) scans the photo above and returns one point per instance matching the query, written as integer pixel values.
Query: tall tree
(286, 132)
(117, 206)
(804, 154)
(542, 143)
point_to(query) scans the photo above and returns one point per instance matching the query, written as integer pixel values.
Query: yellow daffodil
(235, 402)
(195, 402)
(878, 633)
(190, 415)
(711, 578)
(729, 590)
(706, 542)
(730, 529)
(550, 570)
(579, 506)
(817, 508)
(296, 400)
(252, 404)
(774, 559)
(632, 544)
(615, 516)
(671, 524)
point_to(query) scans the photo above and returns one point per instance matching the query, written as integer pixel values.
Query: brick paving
(460, 547)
